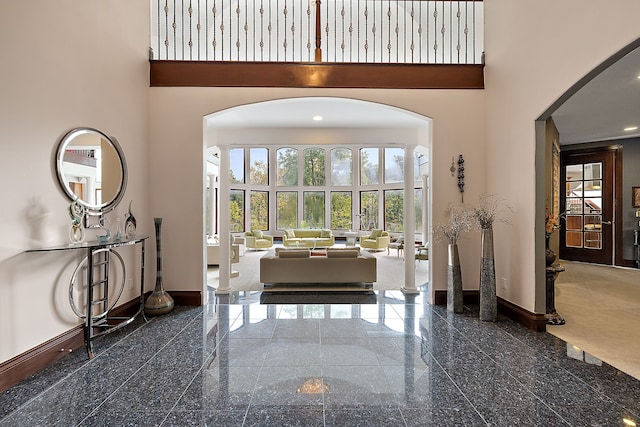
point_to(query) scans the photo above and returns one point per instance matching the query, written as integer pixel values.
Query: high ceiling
(605, 106)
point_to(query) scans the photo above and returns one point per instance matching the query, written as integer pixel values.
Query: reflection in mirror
(91, 168)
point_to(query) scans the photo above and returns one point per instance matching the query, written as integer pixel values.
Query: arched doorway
(325, 122)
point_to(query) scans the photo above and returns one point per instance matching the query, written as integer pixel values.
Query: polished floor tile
(392, 362)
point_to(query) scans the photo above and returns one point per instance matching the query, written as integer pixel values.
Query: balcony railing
(330, 31)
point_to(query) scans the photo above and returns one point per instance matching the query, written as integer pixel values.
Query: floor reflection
(394, 360)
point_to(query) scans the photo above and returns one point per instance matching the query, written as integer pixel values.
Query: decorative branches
(460, 221)
(490, 209)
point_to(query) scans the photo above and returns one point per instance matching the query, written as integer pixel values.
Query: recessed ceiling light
(317, 118)
(630, 128)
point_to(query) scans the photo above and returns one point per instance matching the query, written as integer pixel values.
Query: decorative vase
(76, 233)
(159, 302)
(550, 255)
(488, 299)
(454, 281)
(129, 223)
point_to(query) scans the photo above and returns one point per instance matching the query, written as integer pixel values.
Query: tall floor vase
(488, 299)
(159, 302)
(454, 281)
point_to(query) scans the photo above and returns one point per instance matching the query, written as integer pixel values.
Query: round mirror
(91, 169)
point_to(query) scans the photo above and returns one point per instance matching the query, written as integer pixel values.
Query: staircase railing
(336, 31)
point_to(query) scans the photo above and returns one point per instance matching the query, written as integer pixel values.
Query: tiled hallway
(393, 362)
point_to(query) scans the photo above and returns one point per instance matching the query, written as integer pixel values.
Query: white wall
(535, 50)
(65, 63)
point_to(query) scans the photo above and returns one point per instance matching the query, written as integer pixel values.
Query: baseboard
(31, 361)
(534, 321)
(23, 365)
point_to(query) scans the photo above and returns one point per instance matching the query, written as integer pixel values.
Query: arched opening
(252, 140)
(591, 122)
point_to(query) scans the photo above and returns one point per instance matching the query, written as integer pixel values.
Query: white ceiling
(606, 105)
(299, 113)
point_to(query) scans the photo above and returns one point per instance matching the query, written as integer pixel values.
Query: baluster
(214, 42)
(284, 44)
(261, 30)
(309, 29)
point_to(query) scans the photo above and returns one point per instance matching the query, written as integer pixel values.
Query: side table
(351, 237)
(552, 317)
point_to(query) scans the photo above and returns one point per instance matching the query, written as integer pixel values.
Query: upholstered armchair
(256, 239)
(377, 240)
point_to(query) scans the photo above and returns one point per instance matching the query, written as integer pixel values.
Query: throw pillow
(295, 253)
(257, 233)
(347, 253)
(375, 234)
(324, 234)
(290, 234)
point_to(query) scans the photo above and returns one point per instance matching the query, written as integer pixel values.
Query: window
(236, 160)
(313, 209)
(313, 167)
(368, 210)
(393, 210)
(341, 210)
(287, 167)
(259, 168)
(287, 209)
(341, 167)
(369, 166)
(393, 165)
(259, 210)
(236, 210)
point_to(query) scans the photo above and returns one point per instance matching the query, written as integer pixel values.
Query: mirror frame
(90, 209)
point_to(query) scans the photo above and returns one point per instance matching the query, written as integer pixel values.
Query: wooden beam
(315, 75)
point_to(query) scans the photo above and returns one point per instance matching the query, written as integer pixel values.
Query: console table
(96, 264)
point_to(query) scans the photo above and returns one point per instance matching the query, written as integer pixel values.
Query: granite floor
(381, 360)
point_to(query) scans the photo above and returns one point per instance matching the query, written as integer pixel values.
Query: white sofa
(300, 266)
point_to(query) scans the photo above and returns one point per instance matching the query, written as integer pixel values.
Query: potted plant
(490, 209)
(459, 221)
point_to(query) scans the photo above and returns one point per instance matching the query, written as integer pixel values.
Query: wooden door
(587, 195)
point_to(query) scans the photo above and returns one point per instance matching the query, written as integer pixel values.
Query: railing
(357, 31)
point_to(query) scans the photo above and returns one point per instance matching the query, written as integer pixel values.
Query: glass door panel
(583, 206)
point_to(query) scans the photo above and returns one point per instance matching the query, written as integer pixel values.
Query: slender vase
(159, 302)
(454, 281)
(488, 300)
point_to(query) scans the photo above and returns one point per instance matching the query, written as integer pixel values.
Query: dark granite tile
(364, 417)
(205, 418)
(269, 416)
(533, 415)
(603, 414)
(297, 328)
(290, 386)
(220, 387)
(156, 385)
(125, 419)
(340, 328)
(255, 329)
(354, 386)
(423, 417)
(488, 386)
(347, 351)
(399, 351)
(292, 352)
(242, 352)
(427, 388)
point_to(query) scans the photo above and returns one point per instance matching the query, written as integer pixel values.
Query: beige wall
(535, 51)
(177, 140)
(65, 64)
(83, 63)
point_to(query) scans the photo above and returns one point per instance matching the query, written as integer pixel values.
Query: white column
(224, 286)
(425, 210)
(409, 223)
